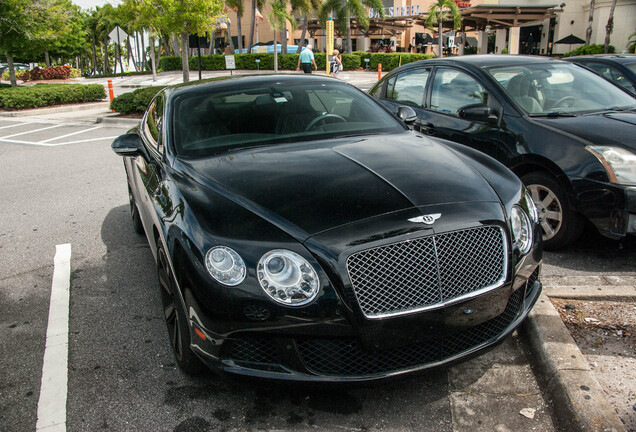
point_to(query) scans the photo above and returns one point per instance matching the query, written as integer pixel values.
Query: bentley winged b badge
(428, 219)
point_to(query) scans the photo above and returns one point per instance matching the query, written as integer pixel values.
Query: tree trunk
(175, 45)
(166, 45)
(240, 32)
(184, 57)
(94, 53)
(229, 38)
(141, 65)
(349, 41)
(275, 54)
(609, 27)
(440, 37)
(588, 32)
(143, 50)
(250, 40)
(121, 63)
(158, 61)
(131, 54)
(14, 82)
(283, 40)
(47, 59)
(106, 62)
(303, 33)
(153, 66)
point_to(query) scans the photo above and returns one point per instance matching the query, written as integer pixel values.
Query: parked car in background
(303, 232)
(16, 66)
(565, 131)
(618, 68)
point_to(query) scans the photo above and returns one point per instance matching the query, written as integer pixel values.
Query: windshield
(218, 121)
(553, 88)
(631, 67)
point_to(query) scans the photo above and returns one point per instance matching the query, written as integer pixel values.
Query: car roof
(247, 80)
(614, 58)
(484, 60)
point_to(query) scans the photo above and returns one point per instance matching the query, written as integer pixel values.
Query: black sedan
(303, 232)
(618, 68)
(565, 131)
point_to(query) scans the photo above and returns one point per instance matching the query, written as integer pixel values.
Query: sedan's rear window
(214, 121)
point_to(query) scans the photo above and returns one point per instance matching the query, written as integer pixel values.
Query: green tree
(277, 18)
(63, 34)
(255, 3)
(609, 27)
(344, 10)
(443, 10)
(20, 22)
(188, 17)
(304, 8)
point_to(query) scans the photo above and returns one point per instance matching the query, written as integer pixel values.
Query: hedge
(41, 95)
(37, 73)
(589, 49)
(389, 61)
(134, 102)
(248, 62)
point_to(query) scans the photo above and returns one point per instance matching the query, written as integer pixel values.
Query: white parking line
(31, 131)
(45, 144)
(53, 391)
(14, 125)
(71, 134)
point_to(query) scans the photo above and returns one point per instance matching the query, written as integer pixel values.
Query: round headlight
(225, 265)
(532, 208)
(287, 277)
(521, 229)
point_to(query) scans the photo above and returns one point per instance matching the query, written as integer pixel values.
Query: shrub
(41, 95)
(55, 72)
(389, 61)
(134, 102)
(589, 49)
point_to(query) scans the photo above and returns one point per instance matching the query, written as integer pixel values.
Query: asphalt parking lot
(63, 185)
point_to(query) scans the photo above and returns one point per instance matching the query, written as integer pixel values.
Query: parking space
(48, 134)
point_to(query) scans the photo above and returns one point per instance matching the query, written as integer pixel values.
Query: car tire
(136, 218)
(176, 320)
(560, 225)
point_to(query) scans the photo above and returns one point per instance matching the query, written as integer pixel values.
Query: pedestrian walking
(306, 59)
(336, 63)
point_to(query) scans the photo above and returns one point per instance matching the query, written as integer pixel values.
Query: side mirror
(129, 145)
(477, 112)
(406, 114)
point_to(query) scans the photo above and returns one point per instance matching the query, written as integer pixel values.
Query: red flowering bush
(55, 72)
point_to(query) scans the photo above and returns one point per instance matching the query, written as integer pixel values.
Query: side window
(153, 124)
(453, 89)
(600, 69)
(409, 87)
(376, 92)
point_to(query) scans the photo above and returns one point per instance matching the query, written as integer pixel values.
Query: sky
(88, 4)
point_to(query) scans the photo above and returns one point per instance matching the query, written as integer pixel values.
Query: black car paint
(360, 192)
(524, 143)
(618, 62)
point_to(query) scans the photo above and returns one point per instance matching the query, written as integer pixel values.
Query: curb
(576, 396)
(116, 121)
(44, 110)
(593, 292)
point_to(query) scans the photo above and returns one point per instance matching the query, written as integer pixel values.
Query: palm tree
(344, 9)
(443, 10)
(631, 43)
(609, 27)
(588, 32)
(277, 18)
(304, 8)
(255, 4)
(238, 7)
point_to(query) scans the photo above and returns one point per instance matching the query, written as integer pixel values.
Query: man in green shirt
(305, 59)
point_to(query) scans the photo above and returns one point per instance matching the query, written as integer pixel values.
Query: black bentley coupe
(303, 232)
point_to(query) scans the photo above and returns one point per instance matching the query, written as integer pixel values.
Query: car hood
(616, 128)
(308, 188)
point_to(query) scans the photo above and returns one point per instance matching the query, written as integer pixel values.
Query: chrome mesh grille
(423, 272)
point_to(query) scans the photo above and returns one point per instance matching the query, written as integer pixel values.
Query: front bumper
(610, 207)
(307, 357)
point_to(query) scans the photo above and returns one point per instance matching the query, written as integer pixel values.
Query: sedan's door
(451, 91)
(407, 88)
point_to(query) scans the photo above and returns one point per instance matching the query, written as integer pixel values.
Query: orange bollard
(110, 92)
(379, 71)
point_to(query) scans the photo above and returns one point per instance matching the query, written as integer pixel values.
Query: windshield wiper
(555, 114)
(624, 108)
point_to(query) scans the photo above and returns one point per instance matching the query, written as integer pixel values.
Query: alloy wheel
(549, 208)
(169, 305)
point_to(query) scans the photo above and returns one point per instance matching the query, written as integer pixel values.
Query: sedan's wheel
(176, 320)
(136, 218)
(560, 225)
